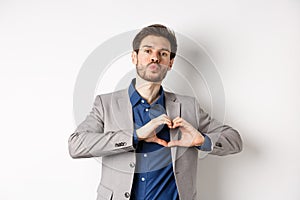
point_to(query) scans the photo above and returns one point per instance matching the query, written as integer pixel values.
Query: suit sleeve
(225, 140)
(90, 140)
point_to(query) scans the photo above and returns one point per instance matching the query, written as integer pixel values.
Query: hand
(189, 135)
(148, 133)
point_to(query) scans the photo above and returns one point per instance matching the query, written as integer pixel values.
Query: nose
(155, 58)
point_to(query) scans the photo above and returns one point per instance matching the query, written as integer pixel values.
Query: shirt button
(131, 164)
(145, 155)
(127, 194)
(142, 101)
(147, 109)
(143, 179)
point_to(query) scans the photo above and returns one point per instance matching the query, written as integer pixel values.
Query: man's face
(153, 60)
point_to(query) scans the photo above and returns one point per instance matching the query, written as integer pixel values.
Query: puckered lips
(153, 67)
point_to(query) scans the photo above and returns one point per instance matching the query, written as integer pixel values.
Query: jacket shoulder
(113, 95)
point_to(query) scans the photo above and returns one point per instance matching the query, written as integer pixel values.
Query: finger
(150, 139)
(167, 121)
(177, 119)
(157, 140)
(174, 143)
(161, 142)
(177, 124)
(161, 120)
(164, 116)
(170, 126)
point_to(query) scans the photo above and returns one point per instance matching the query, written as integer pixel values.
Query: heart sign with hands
(189, 135)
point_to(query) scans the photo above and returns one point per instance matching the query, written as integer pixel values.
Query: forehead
(157, 42)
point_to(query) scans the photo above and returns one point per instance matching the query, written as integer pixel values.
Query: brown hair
(156, 30)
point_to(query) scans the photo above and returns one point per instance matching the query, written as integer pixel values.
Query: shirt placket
(144, 161)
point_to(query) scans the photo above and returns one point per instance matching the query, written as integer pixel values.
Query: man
(150, 139)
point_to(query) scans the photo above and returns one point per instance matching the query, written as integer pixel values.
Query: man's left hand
(189, 135)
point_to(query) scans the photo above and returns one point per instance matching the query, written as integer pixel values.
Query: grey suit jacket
(108, 132)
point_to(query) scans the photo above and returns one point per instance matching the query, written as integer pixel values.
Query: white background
(255, 45)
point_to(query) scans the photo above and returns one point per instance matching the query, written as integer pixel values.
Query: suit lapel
(123, 111)
(173, 111)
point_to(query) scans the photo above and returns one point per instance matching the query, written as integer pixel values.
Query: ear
(134, 57)
(171, 64)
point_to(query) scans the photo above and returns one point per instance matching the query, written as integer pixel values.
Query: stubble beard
(142, 72)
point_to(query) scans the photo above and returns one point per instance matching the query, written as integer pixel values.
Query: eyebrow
(149, 46)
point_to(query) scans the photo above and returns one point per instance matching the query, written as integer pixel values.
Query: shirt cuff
(207, 144)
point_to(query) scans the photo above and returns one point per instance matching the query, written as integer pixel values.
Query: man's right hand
(148, 133)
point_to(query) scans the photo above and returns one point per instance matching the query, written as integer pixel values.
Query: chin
(154, 79)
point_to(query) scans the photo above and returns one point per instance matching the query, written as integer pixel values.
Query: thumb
(160, 141)
(174, 143)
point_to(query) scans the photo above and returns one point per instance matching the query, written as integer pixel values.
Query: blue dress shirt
(154, 177)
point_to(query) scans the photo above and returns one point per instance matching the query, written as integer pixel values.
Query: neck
(148, 90)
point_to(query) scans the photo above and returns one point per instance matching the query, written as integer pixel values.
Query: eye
(164, 54)
(147, 50)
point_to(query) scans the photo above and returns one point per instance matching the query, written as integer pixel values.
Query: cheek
(143, 59)
(166, 62)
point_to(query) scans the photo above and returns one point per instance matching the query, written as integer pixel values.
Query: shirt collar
(135, 97)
